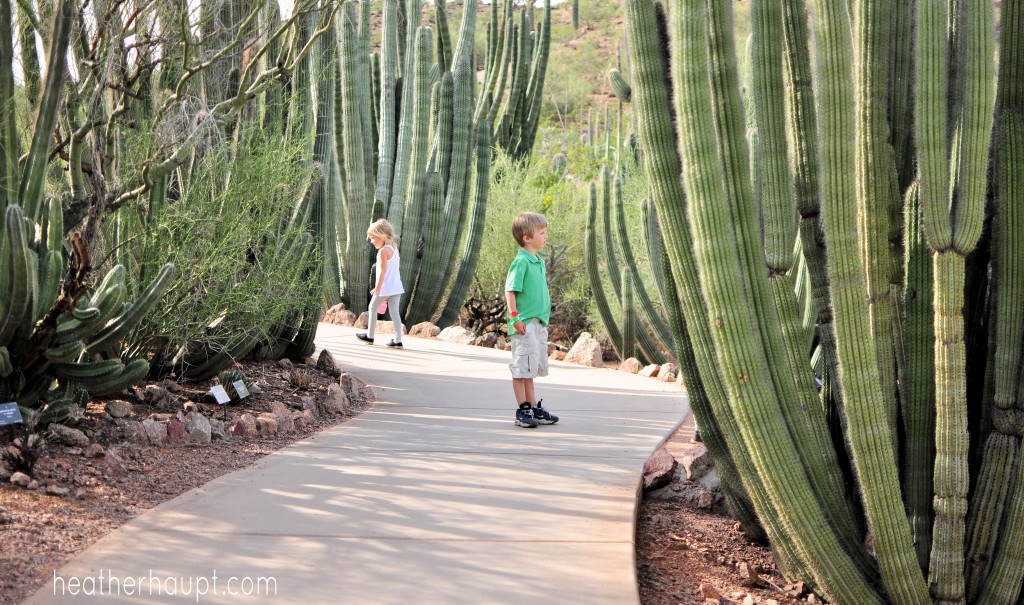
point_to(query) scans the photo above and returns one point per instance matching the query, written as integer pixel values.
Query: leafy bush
(243, 266)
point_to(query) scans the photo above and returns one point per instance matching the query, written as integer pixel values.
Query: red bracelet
(514, 314)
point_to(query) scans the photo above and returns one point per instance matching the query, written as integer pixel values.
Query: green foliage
(230, 232)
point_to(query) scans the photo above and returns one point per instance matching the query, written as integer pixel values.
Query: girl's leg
(393, 306)
(371, 324)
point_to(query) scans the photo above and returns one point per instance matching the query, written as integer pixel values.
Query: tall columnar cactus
(519, 56)
(422, 172)
(890, 291)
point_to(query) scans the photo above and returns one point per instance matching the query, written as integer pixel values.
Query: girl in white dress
(388, 290)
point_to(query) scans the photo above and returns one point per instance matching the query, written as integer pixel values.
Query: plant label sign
(10, 414)
(240, 389)
(220, 394)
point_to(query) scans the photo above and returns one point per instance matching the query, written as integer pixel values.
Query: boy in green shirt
(529, 309)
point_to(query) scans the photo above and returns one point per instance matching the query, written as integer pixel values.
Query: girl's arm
(385, 256)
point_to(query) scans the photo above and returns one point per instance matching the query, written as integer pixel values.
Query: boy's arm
(510, 302)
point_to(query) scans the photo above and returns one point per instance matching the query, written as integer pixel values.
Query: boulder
(156, 432)
(362, 321)
(326, 364)
(696, 462)
(345, 318)
(113, 464)
(134, 432)
(283, 415)
(21, 479)
(94, 450)
(557, 355)
(286, 364)
(500, 343)
(658, 469)
(456, 334)
(585, 351)
(337, 400)
(245, 426)
(118, 408)
(68, 436)
(650, 371)
(424, 329)
(631, 365)
(176, 431)
(218, 430)
(266, 425)
(667, 372)
(199, 429)
(486, 340)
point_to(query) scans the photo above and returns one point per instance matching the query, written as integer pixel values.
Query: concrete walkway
(433, 497)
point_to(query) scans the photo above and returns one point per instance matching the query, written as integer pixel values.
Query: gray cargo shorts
(530, 351)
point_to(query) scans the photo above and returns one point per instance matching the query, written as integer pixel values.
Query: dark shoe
(363, 337)
(524, 416)
(543, 416)
(394, 345)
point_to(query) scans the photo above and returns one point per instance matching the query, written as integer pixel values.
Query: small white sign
(240, 389)
(10, 414)
(220, 394)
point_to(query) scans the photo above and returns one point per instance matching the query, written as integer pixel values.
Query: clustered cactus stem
(886, 184)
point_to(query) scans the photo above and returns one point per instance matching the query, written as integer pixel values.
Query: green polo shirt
(527, 277)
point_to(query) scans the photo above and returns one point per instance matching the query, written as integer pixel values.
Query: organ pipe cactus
(888, 253)
(424, 175)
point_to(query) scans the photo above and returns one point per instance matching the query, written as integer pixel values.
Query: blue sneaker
(524, 416)
(543, 416)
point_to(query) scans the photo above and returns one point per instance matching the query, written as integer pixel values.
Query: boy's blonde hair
(382, 229)
(526, 224)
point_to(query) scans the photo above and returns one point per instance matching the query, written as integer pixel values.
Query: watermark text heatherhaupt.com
(109, 584)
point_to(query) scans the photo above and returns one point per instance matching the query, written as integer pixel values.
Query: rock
(585, 351)
(118, 408)
(266, 425)
(198, 428)
(171, 386)
(631, 365)
(55, 490)
(245, 426)
(706, 500)
(134, 432)
(5, 475)
(812, 598)
(456, 334)
(68, 436)
(191, 406)
(113, 464)
(650, 371)
(301, 419)
(500, 343)
(306, 403)
(331, 315)
(33, 484)
(336, 401)
(74, 451)
(351, 385)
(486, 340)
(748, 600)
(158, 397)
(94, 450)
(21, 479)
(282, 414)
(709, 591)
(255, 389)
(696, 462)
(746, 576)
(156, 432)
(175, 431)
(557, 355)
(362, 322)
(286, 364)
(384, 327)
(667, 372)
(326, 364)
(345, 318)
(658, 469)
(218, 430)
(424, 329)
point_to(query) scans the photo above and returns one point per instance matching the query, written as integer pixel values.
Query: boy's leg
(519, 388)
(394, 307)
(529, 395)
